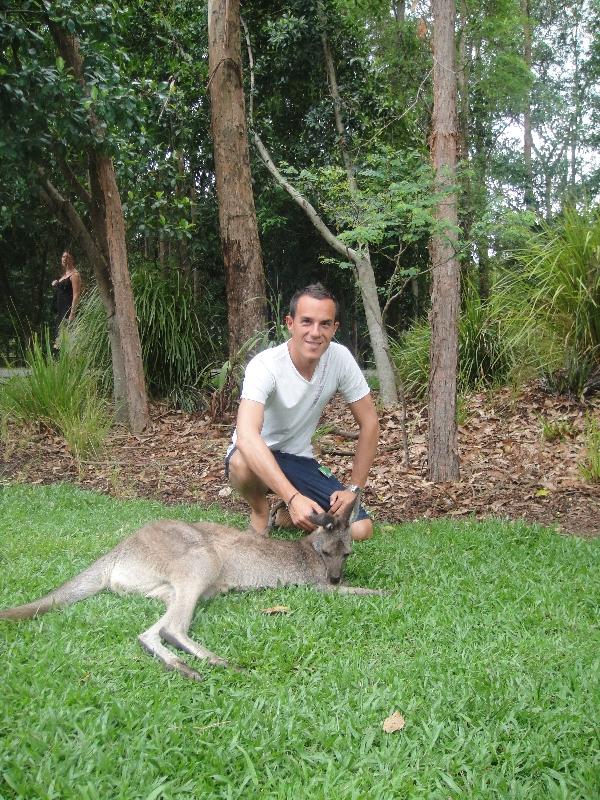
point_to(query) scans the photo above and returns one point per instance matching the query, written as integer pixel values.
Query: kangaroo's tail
(89, 582)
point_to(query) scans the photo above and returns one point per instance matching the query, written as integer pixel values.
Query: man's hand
(300, 509)
(341, 499)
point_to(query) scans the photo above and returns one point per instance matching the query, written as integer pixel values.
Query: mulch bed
(508, 469)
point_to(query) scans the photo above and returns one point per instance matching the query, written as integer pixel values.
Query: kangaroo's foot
(151, 644)
(331, 588)
(183, 642)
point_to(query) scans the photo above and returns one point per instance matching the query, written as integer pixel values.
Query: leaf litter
(508, 468)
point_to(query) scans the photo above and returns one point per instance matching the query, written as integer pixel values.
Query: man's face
(312, 328)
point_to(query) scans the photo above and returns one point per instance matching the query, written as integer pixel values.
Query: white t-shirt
(293, 405)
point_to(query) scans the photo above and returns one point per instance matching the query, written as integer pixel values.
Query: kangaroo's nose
(334, 578)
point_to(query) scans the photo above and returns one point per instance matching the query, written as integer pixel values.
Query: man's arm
(262, 463)
(364, 413)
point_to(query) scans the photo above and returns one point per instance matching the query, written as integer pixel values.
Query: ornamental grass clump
(590, 467)
(559, 291)
(60, 392)
(177, 344)
(486, 349)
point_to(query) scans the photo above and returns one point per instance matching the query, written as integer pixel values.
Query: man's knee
(241, 476)
(362, 529)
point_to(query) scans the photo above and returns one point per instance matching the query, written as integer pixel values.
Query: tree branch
(71, 178)
(65, 213)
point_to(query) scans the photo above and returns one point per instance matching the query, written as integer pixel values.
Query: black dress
(64, 299)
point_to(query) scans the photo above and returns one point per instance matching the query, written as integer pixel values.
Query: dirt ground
(509, 468)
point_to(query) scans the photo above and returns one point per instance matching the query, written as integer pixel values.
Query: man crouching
(284, 393)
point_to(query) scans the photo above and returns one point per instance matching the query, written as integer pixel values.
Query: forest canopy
(527, 117)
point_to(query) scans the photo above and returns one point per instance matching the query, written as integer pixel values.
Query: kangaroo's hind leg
(175, 624)
(186, 588)
(150, 640)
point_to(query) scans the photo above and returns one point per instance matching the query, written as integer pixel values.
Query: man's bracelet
(290, 500)
(354, 488)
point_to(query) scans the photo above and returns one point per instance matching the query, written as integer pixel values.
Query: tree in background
(445, 292)
(50, 136)
(242, 256)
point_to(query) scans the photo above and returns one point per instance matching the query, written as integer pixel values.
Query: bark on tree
(364, 269)
(67, 215)
(242, 255)
(445, 294)
(131, 405)
(527, 132)
(126, 322)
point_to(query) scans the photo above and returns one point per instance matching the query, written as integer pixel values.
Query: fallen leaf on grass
(394, 723)
(276, 610)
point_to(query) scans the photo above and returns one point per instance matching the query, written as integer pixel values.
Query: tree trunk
(364, 269)
(527, 133)
(242, 255)
(133, 373)
(106, 212)
(445, 294)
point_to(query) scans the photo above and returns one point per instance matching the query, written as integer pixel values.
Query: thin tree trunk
(399, 10)
(66, 214)
(242, 255)
(527, 132)
(445, 296)
(576, 99)
(135, 386)
(364, 268)
(109, 227)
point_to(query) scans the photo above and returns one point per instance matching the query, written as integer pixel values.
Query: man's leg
(362, 529)
(319, 484)
(252, 489)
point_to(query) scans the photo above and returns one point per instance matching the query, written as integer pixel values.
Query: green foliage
(395, 198)
(226, 383)
(556, 430)
(60, 392)
(556, 297)
(590, 467)
(491, 655)
(179, 339)
(487, 350)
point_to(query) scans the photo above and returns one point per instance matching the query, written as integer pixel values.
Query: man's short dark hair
(316, 291)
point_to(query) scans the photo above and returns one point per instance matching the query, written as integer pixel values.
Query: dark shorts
(308, 477)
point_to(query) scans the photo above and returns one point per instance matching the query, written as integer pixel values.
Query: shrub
(560, 298)
(177, 345)
(590, 468)
(61, 393)
(487, 352)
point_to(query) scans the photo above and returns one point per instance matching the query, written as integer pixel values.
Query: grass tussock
(590, 466)
(60, 392)
(486, 642)
(179, 338)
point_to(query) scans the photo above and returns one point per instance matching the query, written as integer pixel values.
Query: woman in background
(68, 292)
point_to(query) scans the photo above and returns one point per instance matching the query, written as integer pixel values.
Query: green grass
(61, 393)
(487, 643)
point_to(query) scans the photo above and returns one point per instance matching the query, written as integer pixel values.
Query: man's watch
(354, 488)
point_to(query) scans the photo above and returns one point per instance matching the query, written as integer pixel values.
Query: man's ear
(289, 321)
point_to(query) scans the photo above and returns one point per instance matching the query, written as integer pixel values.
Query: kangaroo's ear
(351, 512)
(323, 521)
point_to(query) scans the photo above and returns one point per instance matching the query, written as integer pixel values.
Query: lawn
(487, 643)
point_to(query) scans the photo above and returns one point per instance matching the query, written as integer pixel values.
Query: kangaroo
(181, 563)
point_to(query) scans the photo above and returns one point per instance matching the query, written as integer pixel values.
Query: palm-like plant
(178, 343)
(561, 288)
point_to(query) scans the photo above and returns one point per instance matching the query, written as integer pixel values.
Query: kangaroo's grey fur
(180, 563)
